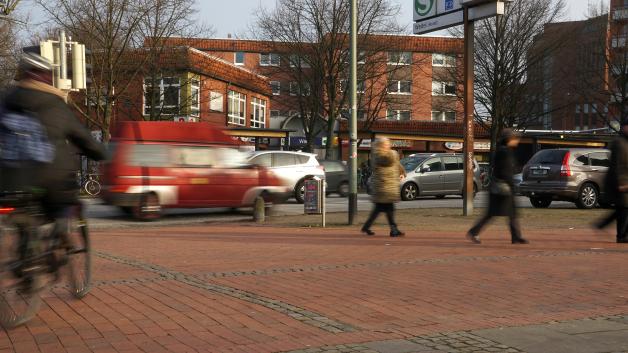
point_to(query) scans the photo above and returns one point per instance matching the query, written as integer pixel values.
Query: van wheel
(299, 192)
(540, 202)
(343, 189)
(587, 196)
(409, 192)
(148, 208)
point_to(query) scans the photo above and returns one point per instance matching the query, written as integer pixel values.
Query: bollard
(259, 210)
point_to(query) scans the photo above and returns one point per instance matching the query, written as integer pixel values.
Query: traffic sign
(455, 17)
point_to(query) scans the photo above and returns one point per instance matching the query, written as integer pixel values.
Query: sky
(229, 19)
(234, 17)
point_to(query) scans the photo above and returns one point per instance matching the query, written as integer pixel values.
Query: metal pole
(353, 122)
(468, 115)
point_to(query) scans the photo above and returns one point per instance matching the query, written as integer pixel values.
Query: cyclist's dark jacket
(67, 134)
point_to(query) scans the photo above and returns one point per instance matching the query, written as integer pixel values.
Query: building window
(239, 58)
(258, 115)
(276, 87)
(166, 95)
(399, 87)
(297, 61)
(346, 114)
(400, 115)
(236, 110)
(360, 88)
(215, 101)
(443, 60)
(294, 88)
(195, 97)
(400, 58)
(269, 59)
(443, 88)
(275, 113)
(448, 117)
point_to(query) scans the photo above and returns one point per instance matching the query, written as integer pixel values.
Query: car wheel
(588, 196)
(540, 202)
(343, 189)
(299, 192)
(409, 192)
(148, 208)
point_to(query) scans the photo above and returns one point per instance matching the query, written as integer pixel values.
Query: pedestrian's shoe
(520, 241)
(394, 232)
(473, 238)
(622, 240)
(367, 231)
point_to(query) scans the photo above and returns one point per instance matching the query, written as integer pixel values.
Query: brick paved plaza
(241, 288)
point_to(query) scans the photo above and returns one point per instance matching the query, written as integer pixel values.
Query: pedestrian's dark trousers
(388, 208)
(515, 231)
(621, 213)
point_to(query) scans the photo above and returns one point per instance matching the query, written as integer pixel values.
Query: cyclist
(35, 94)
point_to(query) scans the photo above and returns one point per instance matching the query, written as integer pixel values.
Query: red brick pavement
(381, 287)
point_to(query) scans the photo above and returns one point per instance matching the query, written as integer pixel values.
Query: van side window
(263, 160)
(149, 155)
(451, 163)
(194, 156)
(599, 159)
(302, 159)
(434, 164)
(283, 159)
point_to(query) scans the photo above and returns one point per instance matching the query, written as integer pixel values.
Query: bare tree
(9, 53)
(313, 36)
(504, 56)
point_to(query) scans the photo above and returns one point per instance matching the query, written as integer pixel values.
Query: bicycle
(92, 186)
(32, 256)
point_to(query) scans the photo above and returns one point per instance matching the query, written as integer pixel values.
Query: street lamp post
(353, 120)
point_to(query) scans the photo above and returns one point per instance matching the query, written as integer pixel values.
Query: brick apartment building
(418, 74)
(571, 85)
(192, 86)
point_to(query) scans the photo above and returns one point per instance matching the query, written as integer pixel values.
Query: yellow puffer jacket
(386, 176)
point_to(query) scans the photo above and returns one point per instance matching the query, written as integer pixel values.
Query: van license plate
(539, 171)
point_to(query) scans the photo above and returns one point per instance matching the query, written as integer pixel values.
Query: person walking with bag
(386, 175)
(502, 198)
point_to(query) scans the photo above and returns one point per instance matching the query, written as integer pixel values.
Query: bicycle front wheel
(92, 187)
(21, 279)
(78, 249)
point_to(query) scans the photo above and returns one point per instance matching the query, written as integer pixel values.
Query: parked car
(575, 175)
(337, 177)
(435, 174)
(517, 178)
(198, 166)
(292, 167)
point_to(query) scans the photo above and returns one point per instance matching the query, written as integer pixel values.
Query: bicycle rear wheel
(92, 187)
(78, 249)
(20, 281)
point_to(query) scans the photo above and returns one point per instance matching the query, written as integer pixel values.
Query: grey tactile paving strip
(303, 315)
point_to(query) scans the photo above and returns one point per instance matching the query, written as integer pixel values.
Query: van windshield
(411, 163)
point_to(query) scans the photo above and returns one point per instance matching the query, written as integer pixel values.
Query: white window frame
(441, 116)
(214, 98)
(273, 59)
(441, 60)
(258, 113)
(400, 55)
(361, 86)
(439, 88)
(162, 91)
(195, 107)
(399, 85)
(395, 114)
(236, 116)
(235, 58)
(278, 85)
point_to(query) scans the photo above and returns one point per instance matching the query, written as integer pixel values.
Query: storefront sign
(478, 146)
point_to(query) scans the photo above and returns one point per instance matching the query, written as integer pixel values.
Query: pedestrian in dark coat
(387, 172)
(501, 197)
(617, 183)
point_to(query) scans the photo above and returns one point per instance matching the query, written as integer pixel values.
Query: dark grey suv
(575, 175)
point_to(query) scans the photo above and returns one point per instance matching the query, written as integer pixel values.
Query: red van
(157, 165)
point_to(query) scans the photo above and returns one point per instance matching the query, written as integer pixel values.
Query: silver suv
(435, 174)
(292, 167)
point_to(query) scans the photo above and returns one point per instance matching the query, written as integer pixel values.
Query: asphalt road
(105, 216)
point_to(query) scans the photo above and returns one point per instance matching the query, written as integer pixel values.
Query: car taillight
(565, 170)
(6, 210)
